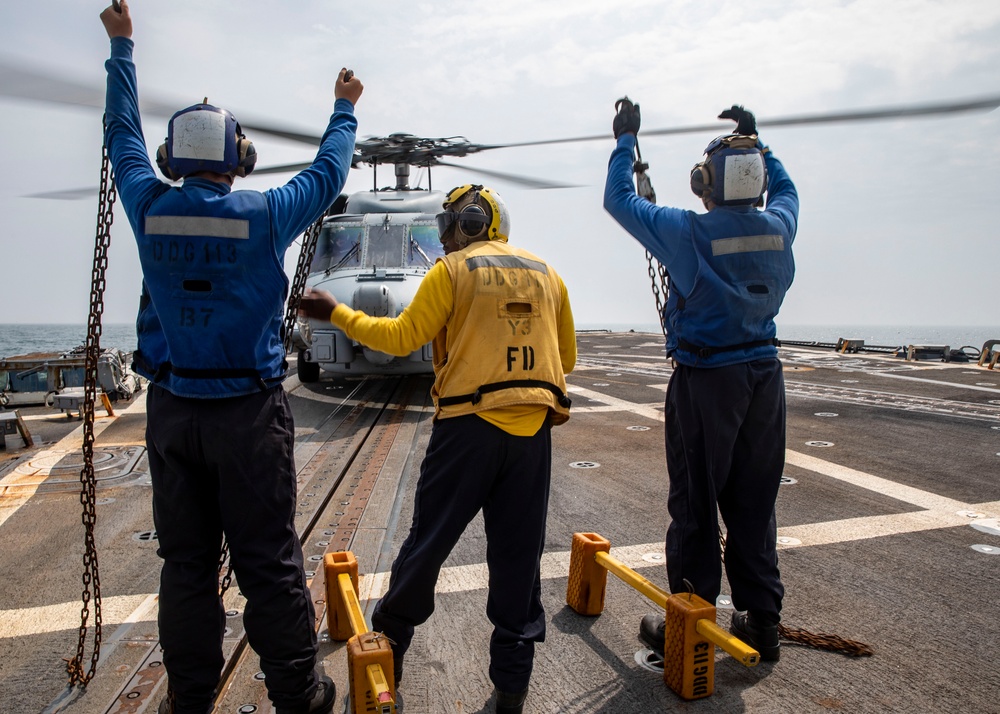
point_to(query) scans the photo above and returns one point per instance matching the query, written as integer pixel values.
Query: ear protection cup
(472, 221)
(484, 217)
(246, 154)
(701, 181)
(163, 162)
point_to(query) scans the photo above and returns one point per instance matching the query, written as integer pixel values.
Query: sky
(898, 219)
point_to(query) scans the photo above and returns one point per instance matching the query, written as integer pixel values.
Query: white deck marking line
(456, 579)
(898, 491)
(615, 404)
(115, 610)
(463, 578)
(940, 512)
(935, 381)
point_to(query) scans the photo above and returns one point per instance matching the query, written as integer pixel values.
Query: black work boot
(763, 638)
(168, 706)
(397, 668)
(651, 632)
(510, 702)
(321, 702)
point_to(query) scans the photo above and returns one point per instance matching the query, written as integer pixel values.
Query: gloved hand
(627, 119)
(745, 122)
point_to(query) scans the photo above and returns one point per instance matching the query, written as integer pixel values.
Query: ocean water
(955, 336)
(21, 339)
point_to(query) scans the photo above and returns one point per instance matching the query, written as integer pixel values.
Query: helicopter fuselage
(372, 258)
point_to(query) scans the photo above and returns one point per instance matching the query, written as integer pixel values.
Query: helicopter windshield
(425, 245)
(385, 245)
(351, 244)
(338, 246)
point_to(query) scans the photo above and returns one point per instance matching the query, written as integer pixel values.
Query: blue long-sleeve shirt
(211, 311)
(722, 294)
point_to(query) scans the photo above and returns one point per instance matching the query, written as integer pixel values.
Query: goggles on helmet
(447, 219)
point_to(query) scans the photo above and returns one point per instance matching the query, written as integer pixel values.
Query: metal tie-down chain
(294, 296)
(299, 283)
(88, 480)
(657, 273)
(816, 640)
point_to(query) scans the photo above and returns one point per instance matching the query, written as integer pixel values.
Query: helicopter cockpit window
(338, 246)
(425, 245)
(385, 245)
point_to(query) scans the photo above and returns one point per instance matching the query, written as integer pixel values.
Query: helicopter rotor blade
(918, 110)
(22, 83)
(526, 181)
(77, 194)
(312, 139)
(282, 168)
(68, 194)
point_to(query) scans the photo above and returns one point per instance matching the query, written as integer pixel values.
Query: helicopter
(372, 253)
(374, 246)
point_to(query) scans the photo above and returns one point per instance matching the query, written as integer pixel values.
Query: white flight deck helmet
(203, 137)
(732, 173)
(477, 213)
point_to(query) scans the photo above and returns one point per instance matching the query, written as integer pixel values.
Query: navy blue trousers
(226, 466)
(472, 465)
(725, 441)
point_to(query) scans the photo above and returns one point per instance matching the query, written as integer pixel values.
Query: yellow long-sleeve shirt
(426, 315)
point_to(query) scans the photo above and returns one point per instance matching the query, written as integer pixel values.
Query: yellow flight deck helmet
(479, 213)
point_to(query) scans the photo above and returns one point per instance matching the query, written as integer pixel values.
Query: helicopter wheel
(308, 371)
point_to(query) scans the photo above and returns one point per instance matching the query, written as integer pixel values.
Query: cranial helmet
(478, 213)
(205, 138)
(732, 173)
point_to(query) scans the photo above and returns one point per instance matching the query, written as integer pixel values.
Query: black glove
(745, 122)
(627, 119)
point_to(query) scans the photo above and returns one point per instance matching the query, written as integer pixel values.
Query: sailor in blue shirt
(220, 435)
(729, 270)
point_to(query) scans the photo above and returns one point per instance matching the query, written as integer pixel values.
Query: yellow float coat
(495, 313)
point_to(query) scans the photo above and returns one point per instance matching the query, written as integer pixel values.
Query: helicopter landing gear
(308, 371)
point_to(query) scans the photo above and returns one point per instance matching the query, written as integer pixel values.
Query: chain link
(657, 273)
(816, 640)
(823, 641)
(294, 296)
(661, 286)
(309, 240)
(88, 480)
(224, 562)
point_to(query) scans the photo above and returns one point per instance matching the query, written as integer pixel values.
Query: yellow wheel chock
(369, 656)
(691, 633)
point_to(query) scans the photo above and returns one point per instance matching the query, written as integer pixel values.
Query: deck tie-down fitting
(690, 634)
(369, 655)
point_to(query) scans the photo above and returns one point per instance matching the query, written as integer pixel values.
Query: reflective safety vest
(214, 288)
(500, 347)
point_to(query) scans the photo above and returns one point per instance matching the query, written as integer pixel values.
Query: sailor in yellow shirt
(503, 339)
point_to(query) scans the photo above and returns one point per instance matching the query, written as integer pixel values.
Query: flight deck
(887, 525)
